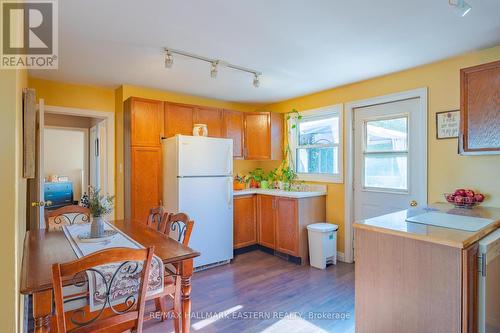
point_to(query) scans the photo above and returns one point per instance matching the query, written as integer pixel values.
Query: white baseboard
(340, 256)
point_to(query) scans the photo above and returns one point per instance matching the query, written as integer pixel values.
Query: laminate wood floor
(259, 292)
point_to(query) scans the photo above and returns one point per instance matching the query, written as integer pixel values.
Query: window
(315, 144)
(386, 154)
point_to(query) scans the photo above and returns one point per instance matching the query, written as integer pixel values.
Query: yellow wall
(74, 95)
(12, 196)
(447, 170)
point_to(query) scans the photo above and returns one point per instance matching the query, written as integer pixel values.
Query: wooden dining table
(42, 248)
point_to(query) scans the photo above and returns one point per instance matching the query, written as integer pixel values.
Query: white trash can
(322, 244)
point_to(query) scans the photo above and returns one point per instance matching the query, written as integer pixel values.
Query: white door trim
(420, 93)
(109, 122)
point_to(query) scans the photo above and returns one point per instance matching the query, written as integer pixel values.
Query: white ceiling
(300, 46)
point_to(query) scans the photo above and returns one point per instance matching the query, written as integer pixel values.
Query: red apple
(469, 200)
(469, 193)
(479, 197)
(459, 200)
(460, 192)
(450, 197)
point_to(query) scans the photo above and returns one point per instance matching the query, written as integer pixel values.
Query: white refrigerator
(197, 180)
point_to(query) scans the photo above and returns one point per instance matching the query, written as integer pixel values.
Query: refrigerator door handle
(229, 191)
(229, 158)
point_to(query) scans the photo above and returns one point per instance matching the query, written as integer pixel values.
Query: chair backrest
(67, 215)
(112, 316)
(157, 218)
(179, 227)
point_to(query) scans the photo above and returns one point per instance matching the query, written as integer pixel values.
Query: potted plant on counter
(239, 182)
(287, 176)
(256, 177)
(99, 205)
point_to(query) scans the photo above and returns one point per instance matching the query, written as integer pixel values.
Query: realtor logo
(29, 36)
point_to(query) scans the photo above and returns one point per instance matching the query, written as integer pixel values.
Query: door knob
(413, 203)
(41, 203)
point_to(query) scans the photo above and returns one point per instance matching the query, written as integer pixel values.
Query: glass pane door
(386, 154)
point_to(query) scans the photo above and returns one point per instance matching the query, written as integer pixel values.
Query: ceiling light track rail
(169, 59)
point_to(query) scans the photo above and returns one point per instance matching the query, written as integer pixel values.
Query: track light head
(256, 80)
(169, 59)
(461, 7)
(213, 70)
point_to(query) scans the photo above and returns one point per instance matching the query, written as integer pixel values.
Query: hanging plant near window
(294, 115)
(286, 170)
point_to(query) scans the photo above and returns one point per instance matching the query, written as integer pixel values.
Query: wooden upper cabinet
(146, 181)
(266, 220)
(212, 117)
(480, 109)
(179, 119)
(245, 221)
(263, 136)
(234, 122)
(287, 226)
(145, 120)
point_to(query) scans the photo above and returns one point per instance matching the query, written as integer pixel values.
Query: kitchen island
(413, 277)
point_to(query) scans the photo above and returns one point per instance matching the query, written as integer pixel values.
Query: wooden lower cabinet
(470, 280)
(266, 220)
(282, 222)
(287, 226)
(146, 181)
(245, 221)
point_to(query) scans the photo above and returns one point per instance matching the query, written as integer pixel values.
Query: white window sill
(338, 179)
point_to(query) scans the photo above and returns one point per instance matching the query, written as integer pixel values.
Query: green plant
(287, 174)
(272, 175)
(99, 204)
(258, 174)
(294, 114)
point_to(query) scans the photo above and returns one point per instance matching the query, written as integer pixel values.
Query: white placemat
(451, 221)
(127, 283)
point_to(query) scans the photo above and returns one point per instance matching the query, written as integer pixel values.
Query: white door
(37, 196)
(209, 203)
(389, 158)
(202, 156)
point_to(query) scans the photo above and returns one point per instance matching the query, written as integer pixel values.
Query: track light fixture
(169, 59)
(215, 64)
(213, 70)
(256, 80)
(462, 7)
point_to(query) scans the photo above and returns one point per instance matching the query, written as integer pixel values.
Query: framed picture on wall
(447, 124)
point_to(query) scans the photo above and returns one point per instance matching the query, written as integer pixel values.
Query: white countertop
(312, 192)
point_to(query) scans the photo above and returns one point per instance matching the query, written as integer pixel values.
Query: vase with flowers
(100, 205)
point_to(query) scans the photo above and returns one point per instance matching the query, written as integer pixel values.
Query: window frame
(293, 140)
(405, 152)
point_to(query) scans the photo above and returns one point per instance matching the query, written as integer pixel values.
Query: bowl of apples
(464, 198)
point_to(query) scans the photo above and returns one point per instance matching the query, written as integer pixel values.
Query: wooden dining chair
(111, 317)
(157, 218)
(67, 215)
(179, 227)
